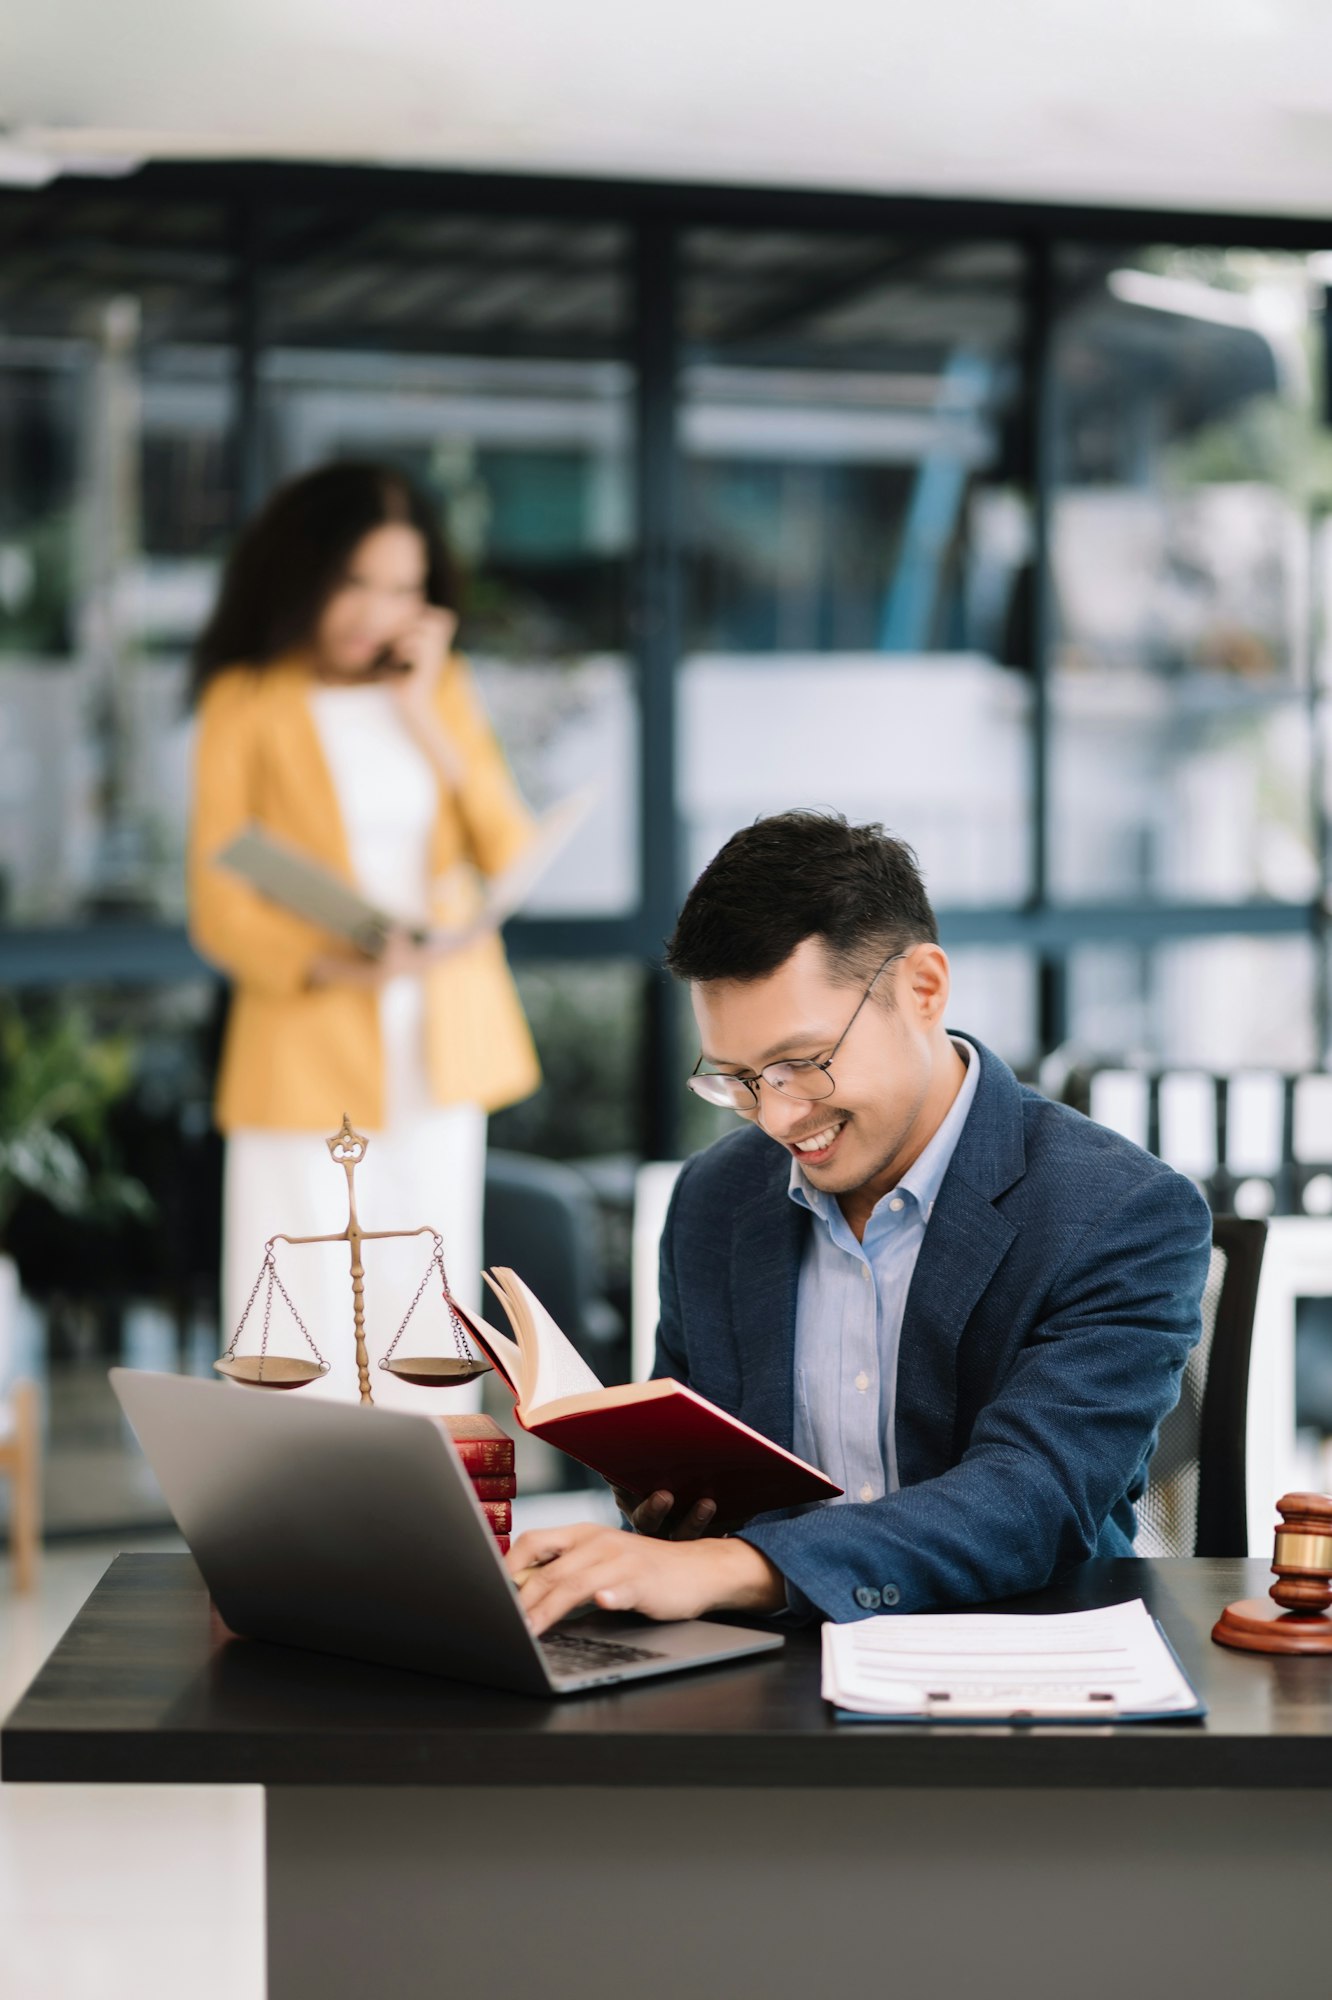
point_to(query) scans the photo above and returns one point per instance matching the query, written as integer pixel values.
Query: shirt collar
(923, 1179)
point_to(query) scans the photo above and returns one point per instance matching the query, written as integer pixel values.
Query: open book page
(297, 882)
(509, 890)
(638, 1435)
(506, 892)
(552, 1366)
(1084, 1664)
(494, 1343)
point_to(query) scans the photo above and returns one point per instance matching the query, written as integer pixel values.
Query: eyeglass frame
(751, 1084)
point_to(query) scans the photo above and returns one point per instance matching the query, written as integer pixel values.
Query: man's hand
(559, 1569)
(656, 1516)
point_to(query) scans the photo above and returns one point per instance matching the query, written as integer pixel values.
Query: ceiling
(1196, 104)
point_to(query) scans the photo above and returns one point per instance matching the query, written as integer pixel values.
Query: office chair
(1195, 1502)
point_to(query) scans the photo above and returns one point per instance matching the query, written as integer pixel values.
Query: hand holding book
(291, 878)
(645, 1438)
(658, 1515)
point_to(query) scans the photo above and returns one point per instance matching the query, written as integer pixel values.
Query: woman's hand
(401, 956)
(424, 650)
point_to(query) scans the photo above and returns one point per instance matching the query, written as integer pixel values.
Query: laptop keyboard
(574, 1653)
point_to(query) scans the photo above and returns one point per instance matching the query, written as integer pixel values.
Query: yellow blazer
(296, 1057)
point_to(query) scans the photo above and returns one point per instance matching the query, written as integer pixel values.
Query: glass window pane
(116, 495)
(866, 737)
(856, 545)
(1206, 1003)
(566, 726)
(587, 1020)
(482, 355)
(993, 998)
(1179, 792)
(1187, 444)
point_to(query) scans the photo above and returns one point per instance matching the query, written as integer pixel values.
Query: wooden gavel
(1297, 1620)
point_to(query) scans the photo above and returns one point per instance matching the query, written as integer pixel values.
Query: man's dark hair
(798, 875)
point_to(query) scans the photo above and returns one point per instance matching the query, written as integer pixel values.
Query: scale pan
(273, 1371)
(430, 1371)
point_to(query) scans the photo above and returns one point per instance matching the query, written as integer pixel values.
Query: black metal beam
(250, 263)
(98, 954)
(1037, 455)
(655, 620)
(148, 954)
(1061, 928)
(386, 188)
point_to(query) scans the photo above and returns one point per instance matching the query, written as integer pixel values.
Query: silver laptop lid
(327, 1525)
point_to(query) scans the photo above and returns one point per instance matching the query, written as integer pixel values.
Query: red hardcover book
(481, 1444)
(503, 1541)
(643, 1436)
(488, 1486)
(499, 1513)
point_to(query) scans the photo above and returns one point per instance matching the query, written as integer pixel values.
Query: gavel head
(1302, 1563)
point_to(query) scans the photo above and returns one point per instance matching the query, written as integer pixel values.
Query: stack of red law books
(487, 1455)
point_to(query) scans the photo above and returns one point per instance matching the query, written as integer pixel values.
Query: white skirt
(427, 1166)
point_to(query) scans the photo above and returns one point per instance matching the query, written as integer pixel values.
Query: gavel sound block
(1297, 1621)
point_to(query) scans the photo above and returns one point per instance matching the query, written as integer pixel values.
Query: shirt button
(867, 1271)
(891, 1594)
(867, 1491)
(867, 1598)
(862, 1381)
(896, 1203)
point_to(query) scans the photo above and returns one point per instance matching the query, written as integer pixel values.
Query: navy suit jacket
(1048, 1321)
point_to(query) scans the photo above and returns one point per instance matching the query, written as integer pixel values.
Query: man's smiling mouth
(819, 1142)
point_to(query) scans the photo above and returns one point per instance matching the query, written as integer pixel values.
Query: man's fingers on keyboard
(536, 1547)
(578, 1575)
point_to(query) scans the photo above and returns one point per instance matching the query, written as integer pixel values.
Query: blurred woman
(334, 713)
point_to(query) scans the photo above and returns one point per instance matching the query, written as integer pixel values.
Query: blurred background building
(869, 472)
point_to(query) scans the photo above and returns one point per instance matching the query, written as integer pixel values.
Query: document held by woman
(310, 890)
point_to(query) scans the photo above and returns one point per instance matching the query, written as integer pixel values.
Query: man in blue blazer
(970, 1306)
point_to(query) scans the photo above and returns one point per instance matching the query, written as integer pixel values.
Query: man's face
(870, 1127)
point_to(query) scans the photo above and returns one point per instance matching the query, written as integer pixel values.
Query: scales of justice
(280, 1371)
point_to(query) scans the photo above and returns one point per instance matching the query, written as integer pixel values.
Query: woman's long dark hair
(293, 555)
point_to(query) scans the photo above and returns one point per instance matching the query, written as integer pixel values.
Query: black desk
(716, 1833)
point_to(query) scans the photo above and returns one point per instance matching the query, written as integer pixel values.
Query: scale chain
(291, 1308)
(460, 1339)
(268, 1269)
(254, 1293)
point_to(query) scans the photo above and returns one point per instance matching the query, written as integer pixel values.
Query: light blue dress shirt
(849, 1309)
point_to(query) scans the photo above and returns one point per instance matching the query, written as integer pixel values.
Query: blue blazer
(1049, 1318)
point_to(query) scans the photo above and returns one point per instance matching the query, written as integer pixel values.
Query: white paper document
(291, 878)
(993, 1667)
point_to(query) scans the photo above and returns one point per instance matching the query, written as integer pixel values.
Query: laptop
(356, 1531)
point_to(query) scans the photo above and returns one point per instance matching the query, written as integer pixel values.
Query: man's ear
(927, 982)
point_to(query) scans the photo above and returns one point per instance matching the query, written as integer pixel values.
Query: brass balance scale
(281, 1371)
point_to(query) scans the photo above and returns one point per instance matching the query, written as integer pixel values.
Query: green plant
(58, 1081)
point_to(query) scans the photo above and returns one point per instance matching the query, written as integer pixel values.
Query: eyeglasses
(806, 1078)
